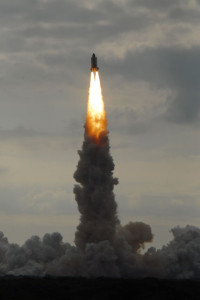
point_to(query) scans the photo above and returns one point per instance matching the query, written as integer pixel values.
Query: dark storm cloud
(174, 68)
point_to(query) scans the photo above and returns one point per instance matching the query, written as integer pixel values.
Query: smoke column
(94, 194)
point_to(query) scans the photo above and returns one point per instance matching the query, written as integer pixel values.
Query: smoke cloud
(119, 258)
(95, 197)
(103, 247)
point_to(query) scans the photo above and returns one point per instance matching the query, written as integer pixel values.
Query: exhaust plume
(96, 122)
(94, 194)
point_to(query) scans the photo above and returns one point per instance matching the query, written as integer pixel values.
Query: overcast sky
(149, 57)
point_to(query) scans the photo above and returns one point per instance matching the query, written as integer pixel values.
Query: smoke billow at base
(104, 248)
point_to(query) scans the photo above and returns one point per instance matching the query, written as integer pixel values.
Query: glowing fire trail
(96, 122)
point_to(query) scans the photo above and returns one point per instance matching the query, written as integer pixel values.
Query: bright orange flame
(96, 116)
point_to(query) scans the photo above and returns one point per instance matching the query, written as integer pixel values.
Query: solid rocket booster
(94, 66)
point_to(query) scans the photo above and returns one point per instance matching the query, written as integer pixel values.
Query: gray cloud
(127, 122)
(62, 11)
(45, 11)
(184, 107)
(185, 15)
(37, 201)
(74, 11)
(51, 21)
(56, 25)
(173, 207)
(159, 4)
(109, 28)
(173, 68)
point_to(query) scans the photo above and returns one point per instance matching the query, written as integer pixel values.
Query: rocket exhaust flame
(96, 122)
